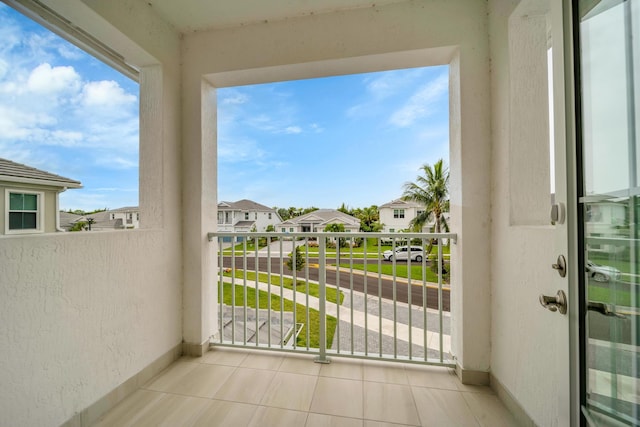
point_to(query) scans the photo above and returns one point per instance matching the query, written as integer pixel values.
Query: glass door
(608, 33)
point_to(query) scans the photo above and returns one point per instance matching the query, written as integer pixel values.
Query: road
(358, 281)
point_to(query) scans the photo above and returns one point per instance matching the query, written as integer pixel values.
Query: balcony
(374, 325)
(242, 387)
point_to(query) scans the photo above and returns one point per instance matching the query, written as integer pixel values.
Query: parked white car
(416, 253)
(602, 273)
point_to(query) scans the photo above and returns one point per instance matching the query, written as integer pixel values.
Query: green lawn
(288, 284)
(401, 270)
(262, 300)
(603, 294)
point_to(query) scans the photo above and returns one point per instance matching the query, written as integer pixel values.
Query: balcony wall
(83, 313)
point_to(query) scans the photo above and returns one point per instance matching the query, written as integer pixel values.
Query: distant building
(30, 201)
(396, 215)
(318, 220)
(244, 216)
(127, 218)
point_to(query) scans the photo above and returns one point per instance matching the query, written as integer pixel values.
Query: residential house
(317, 221)
(395, 216)
(88, 318)
(245, 216)
(129, 216)
(30, 198)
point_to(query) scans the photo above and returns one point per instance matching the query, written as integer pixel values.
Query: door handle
(603, 309)
(554, 303)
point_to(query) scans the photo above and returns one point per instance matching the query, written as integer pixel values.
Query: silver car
(416, 253)
(602, 273)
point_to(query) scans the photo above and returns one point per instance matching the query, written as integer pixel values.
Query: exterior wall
(529, 357)
(397, 224)
(49, 209)
(399, 35)
(81, 313)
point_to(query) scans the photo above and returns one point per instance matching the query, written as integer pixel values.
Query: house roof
(126, 209)
(244, 223)
(399, 203)
(17, 172)
(244, 205)
(324, 216)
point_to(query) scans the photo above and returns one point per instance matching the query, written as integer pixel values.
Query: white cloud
(45, 79)
(235, 99)
(292, 130)
(105, 93)
(421, 104)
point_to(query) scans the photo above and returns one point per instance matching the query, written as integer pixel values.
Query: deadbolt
(560, 265)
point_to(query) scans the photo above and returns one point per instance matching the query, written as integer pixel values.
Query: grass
(401, 270)
(372, 250)
(262, 300)
(314, 289)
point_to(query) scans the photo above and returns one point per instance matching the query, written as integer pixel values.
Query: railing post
(322, 295)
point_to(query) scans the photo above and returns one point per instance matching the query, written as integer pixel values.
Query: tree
(369, 219)
(299, 260)
(432, 191)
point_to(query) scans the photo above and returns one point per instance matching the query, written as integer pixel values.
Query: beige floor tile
(203, 381)
(432, 376)
(321, 420)
(369, 423)
(343, 368)
(300, 365)
(127, 411)
(489, 410)
(337, 396)
(390, 403)
(385, 373)
(290, 391)
(442, 408)
(474, 388)
(224, 356)
(173, 374)
(246, 385)
(276, 417)
(224, 414)
(173, 411)
(262, 360)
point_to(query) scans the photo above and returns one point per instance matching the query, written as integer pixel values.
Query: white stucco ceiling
(193, 15)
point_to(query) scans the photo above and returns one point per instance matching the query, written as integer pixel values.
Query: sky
(350, 139)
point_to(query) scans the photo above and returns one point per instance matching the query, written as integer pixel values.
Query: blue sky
(354, 139)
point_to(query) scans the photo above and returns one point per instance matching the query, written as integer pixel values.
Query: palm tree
(430, 190)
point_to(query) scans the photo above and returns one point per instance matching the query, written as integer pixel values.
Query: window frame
(40, 200)
(398, 213)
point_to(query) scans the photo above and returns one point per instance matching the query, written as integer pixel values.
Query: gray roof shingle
(17, 172)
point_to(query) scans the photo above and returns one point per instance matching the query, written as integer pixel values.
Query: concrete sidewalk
(376, 323)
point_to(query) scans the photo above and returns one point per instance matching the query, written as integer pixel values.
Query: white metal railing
(352, 301)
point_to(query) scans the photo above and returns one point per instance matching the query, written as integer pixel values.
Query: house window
(284, 230)
(137, 217)
(255, 215)
(291, 230)
(398, 213)
(392, 230)
(246, 215)
(113, 216)
(24, 213)
(269, 215)
(419, 213)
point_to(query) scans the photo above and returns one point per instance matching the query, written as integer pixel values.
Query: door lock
(560, 266)
(554, 303)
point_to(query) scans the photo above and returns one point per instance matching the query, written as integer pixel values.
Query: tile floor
(229, 387)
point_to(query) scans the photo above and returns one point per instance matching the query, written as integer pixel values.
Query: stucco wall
(80, 313)
(529, 356)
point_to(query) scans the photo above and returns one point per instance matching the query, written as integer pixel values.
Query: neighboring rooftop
(324, 215)
(17, 172)
(244, 205)
(400, 202)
